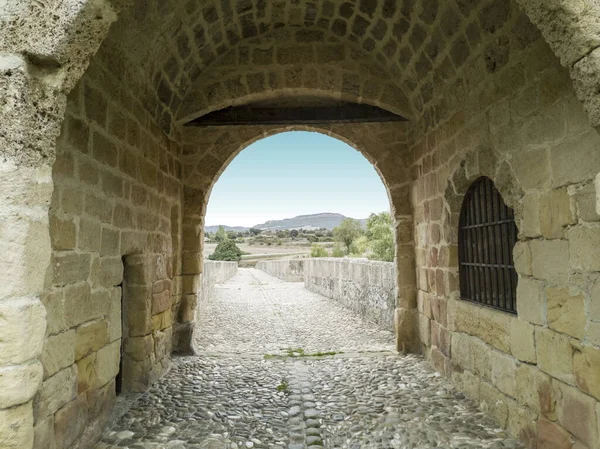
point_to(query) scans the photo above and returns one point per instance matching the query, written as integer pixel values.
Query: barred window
(486, 238)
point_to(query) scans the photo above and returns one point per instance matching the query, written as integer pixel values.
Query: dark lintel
(313, 115)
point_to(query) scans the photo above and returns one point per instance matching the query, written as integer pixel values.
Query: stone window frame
(491, 282)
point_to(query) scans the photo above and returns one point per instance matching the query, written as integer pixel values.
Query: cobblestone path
(281, 367)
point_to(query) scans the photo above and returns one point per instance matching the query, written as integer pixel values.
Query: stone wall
(508, 111)
(289, 270)
(215, 272)
(366, 287)
(114, 284)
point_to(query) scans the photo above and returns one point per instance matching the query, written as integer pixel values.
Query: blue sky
(295, 173)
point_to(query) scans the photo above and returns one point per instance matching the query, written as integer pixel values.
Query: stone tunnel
(105, 180)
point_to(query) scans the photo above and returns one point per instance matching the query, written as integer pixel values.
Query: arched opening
(307, 208)
(482, 87)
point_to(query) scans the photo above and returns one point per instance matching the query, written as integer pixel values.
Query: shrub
(318, 251)
(226, 250)
(338, 251)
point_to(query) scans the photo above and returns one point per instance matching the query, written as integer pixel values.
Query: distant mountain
(227, 228)
(314, 221)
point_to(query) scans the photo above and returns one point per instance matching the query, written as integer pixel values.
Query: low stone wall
(290, 270)
(215, 272)
(364, 286)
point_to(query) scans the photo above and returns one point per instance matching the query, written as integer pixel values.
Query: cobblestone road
(281, 367)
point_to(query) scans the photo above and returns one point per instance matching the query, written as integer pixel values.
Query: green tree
(294, 233)
(348, 230)
(337, 250)
(226, 250)
(255, 231)
(220, 235)
(359, 246)
(380, 234)
(318, 251)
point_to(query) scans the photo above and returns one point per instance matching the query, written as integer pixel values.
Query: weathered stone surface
(107, 362)
(552, 436)
(550, 259)
(554, 354)
(586, 364)
(23, 328)
(16, 427)
(530, 301)
(70, 421)
(532, 386)
(90, 337)
(576, 411)
(583, 244)
(56, 391)
(139, 348)
(522, 340)
(58, 352)
(566, 311)
(19, 383)
(43, 434)
(555, 213)
(504, 369)
(522, 258)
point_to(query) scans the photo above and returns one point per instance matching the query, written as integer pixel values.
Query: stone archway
(116, 107)
(371, 140)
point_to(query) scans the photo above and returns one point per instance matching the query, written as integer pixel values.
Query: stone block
(58, 352)
(187, 308)
(139, 348)
(586, 366)
(554, 354)
(110, 272)
(107, 362)
(531, 215)
(585, 199)
(18, 384)
(70, 421)
(551, 435)
(504, 369)
(161, 301)
(89, 238)
(43, 434)
(110, 243)
(162, 320)
(23, 328)
(576, 412)
(494, 327)
(467, 382)
(522, 340)
(82, 305)
(550, 260)
(566, 312)
(555, 213)
(53, 301)
(163, 343)
(522, 422)
(481, 358)
(70, 268)
(56, 391)
(87, 374)
(522, 258)
(576, 160)
(90, 337)
(533, 387)
(494, 403)
(592, 332)
(531, 306)
(63, 233)
(584, 243)
(114, 317)
(16, 427)
(532, 165)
